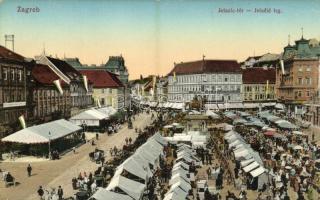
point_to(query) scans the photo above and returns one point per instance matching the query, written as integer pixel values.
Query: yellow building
(258, 84)
(108, 90)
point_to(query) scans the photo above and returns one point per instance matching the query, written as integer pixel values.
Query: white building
(218, 81)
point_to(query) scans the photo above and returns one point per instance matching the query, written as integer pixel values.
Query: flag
(174, 77)
(58, 85)
(151, 91)
(282, 66)
(85, 81)
(22, 121)
(98, 103)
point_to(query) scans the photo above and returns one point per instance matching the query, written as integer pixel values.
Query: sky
(152, 35)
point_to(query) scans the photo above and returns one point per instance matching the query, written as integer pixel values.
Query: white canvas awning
(177, 194)
(176, 178)
(133, 167)
(103, 194)
(212, 114)
(251, 166)
(91, 114)
(257, 172)
(132, 188)
(107, 110)
(182, 164)
(246, 162)
(182, 185)
(43, 133)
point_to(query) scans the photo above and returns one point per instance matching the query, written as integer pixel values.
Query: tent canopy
(107, 110)
(251, 166)
(91, 114)
(132, 188)
(43, 133)
(134, 168)
(103, 194)
(257, 172)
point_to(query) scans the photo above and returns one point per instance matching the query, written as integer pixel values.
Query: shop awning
(91, 114)
(43, 133)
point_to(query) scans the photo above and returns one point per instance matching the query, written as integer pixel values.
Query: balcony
(14, 104)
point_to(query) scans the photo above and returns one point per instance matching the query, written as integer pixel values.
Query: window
(5, 73)
(225, 79)
(308, 93)
(308, 81)
(299, 93)
(308, 69)
(213, 78)
(12, 74)
(300, 81)
(19, 77)
(300, 69)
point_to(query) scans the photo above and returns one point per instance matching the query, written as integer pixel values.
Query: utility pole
(9, 38)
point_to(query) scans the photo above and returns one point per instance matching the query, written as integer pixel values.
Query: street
(60, 172)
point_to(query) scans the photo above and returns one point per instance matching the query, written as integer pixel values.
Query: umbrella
(298, 133)
(269, 133)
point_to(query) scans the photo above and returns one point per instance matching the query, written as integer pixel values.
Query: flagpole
(49, 146)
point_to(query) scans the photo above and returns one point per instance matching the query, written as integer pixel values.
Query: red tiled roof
(8, 54)
(206, 66)
(44, 75)
(102, 78)
(65, 68)
(258, 75)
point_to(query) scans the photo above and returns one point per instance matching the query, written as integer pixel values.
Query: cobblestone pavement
(60, 172)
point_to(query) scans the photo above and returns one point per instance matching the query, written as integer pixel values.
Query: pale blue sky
(151, 35)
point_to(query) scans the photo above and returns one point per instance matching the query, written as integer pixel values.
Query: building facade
(49, 103)
(218, 81)
(80, 90)
(298, 78)
(107, 88)
(115, 65)
(258, 84)
(162, 89)
(14, 75)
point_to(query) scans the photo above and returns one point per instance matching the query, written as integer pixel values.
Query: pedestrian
(74, 150)
(97, 136)
(29, 169)
(40, 192)
(60, 192)
(127, 141)
(130, 140)
(102, 160)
